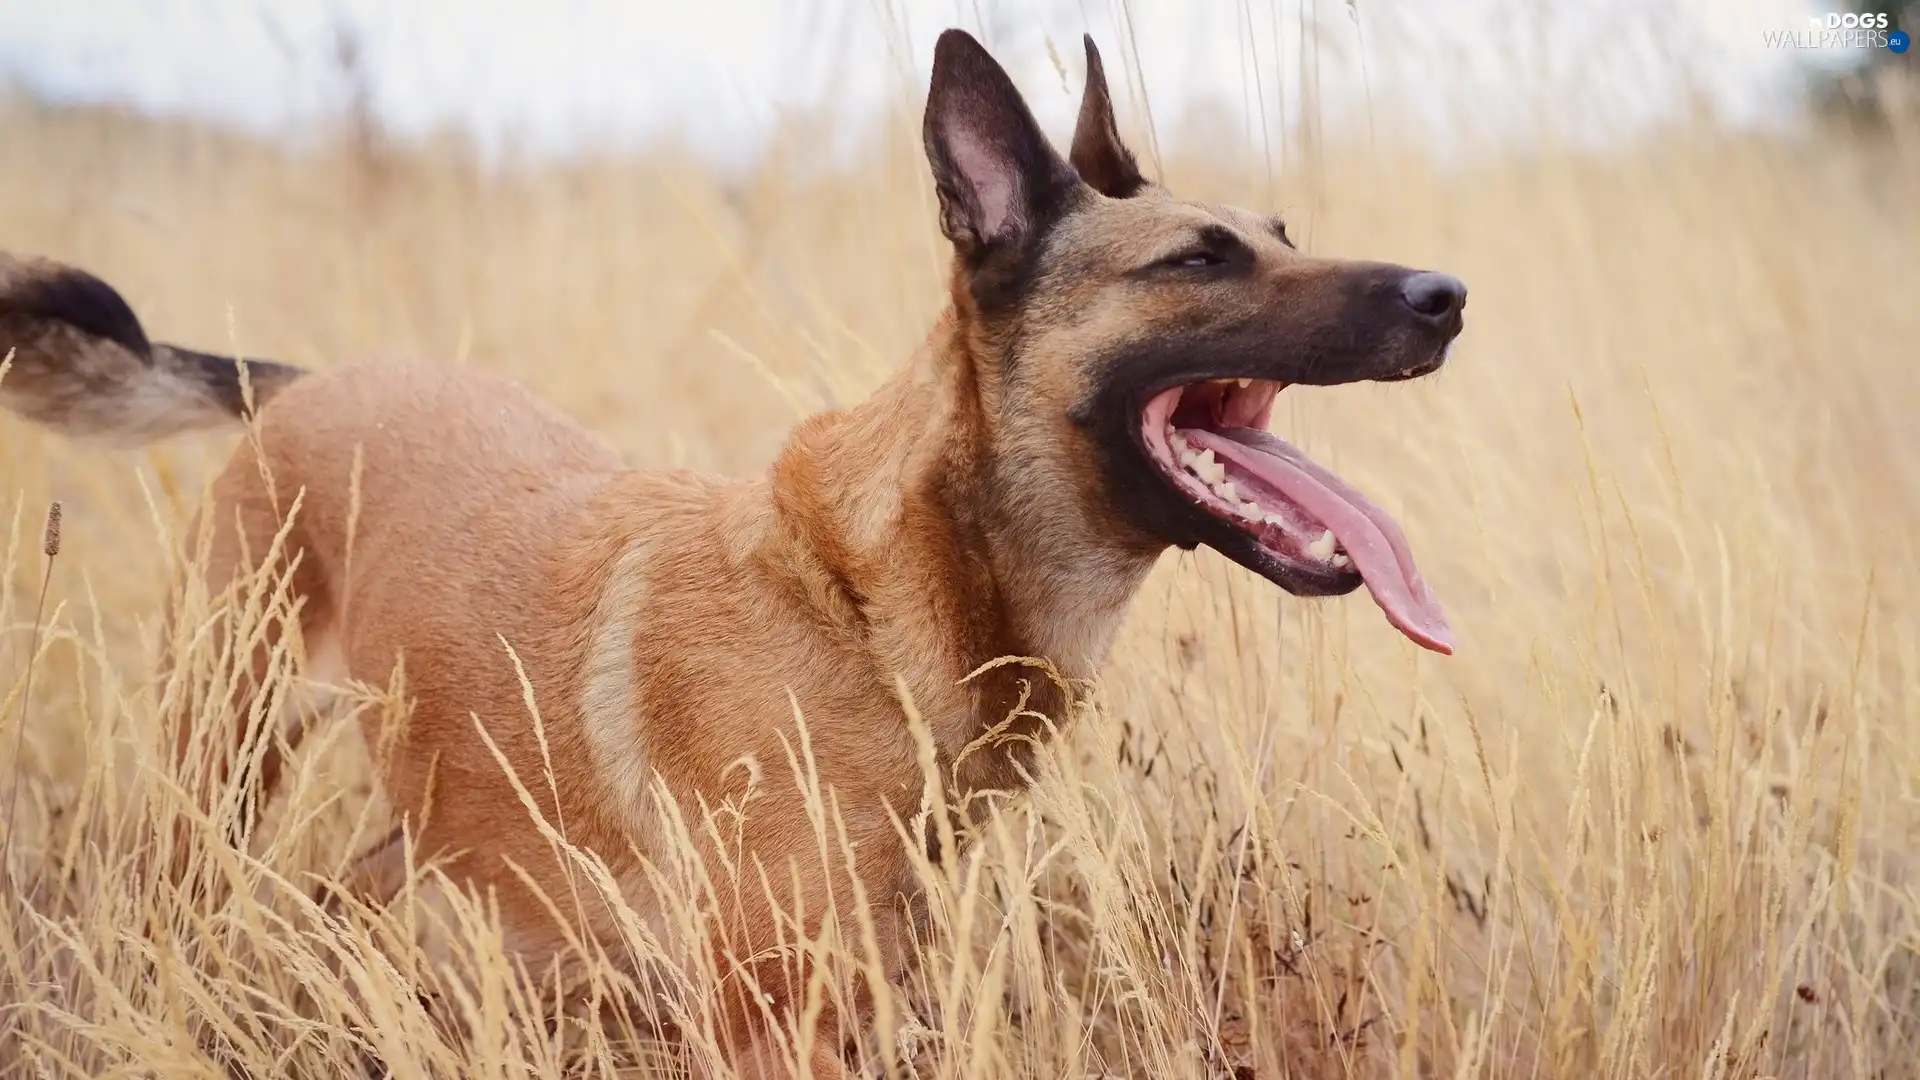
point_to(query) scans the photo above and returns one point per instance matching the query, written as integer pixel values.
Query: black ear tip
(1096, 71)
(955, 43)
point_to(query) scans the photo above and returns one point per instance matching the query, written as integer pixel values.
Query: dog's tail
(82, 364)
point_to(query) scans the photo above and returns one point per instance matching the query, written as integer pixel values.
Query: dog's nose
(1436, 296)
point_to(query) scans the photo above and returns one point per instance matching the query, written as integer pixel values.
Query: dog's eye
(1214, 249)
(1192, 259)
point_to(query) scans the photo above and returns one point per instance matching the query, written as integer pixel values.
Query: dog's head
(1116, 326)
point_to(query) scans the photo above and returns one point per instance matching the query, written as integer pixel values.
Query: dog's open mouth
(1210, 439)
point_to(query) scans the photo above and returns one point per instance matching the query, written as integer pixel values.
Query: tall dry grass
(1656, 818)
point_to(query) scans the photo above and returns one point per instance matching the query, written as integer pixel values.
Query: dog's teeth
(1248, 511)
(1323, 547)
(1179, 442)
(1340, 560)
(1227, 492)
(1201, 464)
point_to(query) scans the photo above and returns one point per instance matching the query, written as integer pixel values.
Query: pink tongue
(1370, 537)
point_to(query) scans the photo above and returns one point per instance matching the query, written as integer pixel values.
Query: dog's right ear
(1102, 160)
(999, 180)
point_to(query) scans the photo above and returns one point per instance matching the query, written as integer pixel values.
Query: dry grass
(1655, 819)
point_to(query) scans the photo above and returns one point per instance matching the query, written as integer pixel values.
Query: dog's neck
(925, 539)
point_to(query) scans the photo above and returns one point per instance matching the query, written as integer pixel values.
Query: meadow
(1659, 816)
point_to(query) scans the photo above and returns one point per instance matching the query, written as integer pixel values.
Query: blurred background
(1658, 814)
(522, 79)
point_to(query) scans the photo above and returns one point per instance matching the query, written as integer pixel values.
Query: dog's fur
(991, 500)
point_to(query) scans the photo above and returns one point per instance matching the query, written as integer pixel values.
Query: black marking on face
(1347, 323)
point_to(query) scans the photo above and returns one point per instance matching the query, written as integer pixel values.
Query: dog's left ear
(1102, 160)
(1000, 181)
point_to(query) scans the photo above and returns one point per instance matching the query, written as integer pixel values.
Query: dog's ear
(1102, 160)
(1000, 182)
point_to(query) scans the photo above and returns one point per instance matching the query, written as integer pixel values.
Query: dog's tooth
(1340, 560)
(1248, 511)
(1226, 491)
(1179, 443)
(1275, 519)
(1323, 547)
(1208, 469)
(1244, 383)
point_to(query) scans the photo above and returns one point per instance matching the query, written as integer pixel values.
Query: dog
(1096, 392)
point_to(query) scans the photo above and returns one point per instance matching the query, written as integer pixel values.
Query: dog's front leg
(760, 999)
(769, 965)
(761, 1058)
(753, 1048)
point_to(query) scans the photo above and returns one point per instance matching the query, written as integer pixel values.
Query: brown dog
(1097, 391)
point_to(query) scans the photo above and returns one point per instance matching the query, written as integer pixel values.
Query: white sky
(548, 75)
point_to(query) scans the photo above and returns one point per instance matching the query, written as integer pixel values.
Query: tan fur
(670, 623)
